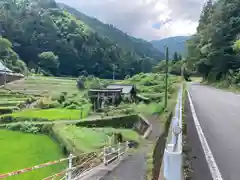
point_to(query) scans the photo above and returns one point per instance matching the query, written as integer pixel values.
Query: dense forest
(52, 41)
(214, 51)
(141, 47)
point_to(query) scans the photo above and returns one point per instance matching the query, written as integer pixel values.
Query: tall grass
(82, 139)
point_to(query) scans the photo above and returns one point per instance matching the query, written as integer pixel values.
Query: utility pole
(166, 79)
(113, 66)
(182, 72)
(5, 76)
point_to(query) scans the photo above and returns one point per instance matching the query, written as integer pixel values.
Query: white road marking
(216, 175)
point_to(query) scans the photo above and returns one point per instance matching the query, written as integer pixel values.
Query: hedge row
(9, 119)
(7, 110)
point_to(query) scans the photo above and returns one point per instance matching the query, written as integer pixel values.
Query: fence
(80, 169)
(173, 150)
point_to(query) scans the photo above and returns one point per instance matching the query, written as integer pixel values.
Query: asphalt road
(219, 115)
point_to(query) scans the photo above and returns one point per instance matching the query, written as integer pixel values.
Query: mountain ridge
(142, 47)
(174, 43)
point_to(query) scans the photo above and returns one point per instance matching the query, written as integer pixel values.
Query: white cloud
(137, 17)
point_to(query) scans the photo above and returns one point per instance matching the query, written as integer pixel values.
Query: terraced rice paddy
(10, 101)
(44, 86)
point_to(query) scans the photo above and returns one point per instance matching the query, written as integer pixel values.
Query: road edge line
(216, 175)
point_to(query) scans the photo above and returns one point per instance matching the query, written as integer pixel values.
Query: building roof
(4, 68)
(126, 88)
(106, 90)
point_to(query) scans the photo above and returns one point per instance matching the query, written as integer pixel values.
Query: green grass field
(50, 114)
(82, 139)
(20, 150)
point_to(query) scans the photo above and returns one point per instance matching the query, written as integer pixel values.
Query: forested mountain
(141, 47)
(214, 50)
(53, 41)
(175, 44)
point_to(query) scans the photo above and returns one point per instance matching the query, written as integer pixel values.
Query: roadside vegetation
(152, 87)
(214, 51)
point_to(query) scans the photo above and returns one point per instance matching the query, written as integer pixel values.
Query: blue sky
(147, 19)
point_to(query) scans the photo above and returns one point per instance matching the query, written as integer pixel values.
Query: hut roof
(126, 88)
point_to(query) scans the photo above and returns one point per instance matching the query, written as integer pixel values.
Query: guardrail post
(69, 173)
(173, 151)
(104, 156)
(119, 150)
(126, 146)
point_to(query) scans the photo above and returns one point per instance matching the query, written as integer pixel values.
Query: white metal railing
(76, 171)
(114, 152)
(173, 150)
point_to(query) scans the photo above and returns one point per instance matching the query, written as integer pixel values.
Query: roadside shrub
(96, 85)
(46, 128)
(6, 110)
(70, 102)
(72, 106)
(80, 84)
(21, 105)
(61, 98)
(24, 127)
(13, 127)
(128, 111)
(9, 118)
(47, 104)
(127, 77)
(30, 100)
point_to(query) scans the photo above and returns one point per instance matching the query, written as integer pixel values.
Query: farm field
(20, 150)
(44, 85)
(11, 101)
(82, 139)
(48, 114)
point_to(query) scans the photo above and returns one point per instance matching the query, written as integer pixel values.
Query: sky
(147, 19)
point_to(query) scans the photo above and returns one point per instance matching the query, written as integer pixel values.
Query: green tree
(48, 60)
(211, 50)
(179, 57)
(10, 57)
(5, 44)
(175, 58)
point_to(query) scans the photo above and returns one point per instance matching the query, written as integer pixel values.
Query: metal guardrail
(76, 171)
(172, 161)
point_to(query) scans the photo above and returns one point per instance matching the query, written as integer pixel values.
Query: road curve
(218, 113)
